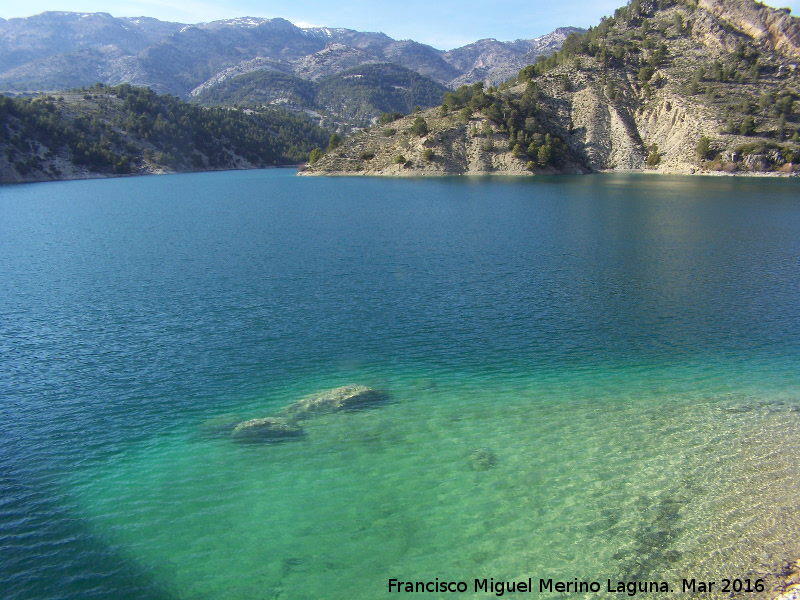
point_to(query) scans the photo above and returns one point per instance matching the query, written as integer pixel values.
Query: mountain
(57, 50)
(357, 95)
(494, 62)
(50, 34)
(672, 86)
(126, 130)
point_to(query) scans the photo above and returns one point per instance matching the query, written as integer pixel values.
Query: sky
(443, 24)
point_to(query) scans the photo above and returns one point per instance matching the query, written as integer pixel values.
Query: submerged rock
(269, 429)
(345, 398)
(481, 459)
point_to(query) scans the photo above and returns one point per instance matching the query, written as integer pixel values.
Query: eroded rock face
(345, 398)
(269, 429)
(779, 28)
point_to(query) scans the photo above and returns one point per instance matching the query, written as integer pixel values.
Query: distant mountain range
(54, 51)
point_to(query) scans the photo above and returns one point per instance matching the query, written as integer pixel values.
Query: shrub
(334, 142)
(748, 126)
(389, 117)
(400, 159)
(389, 132)
(654, 157)
(428, 154)
(544, 155)
(646, 73)
(703, 147)
(420, 127)
(315, 155)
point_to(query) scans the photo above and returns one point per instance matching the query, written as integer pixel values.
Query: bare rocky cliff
(777, 28)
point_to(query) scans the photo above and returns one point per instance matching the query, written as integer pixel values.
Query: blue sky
(443, 24)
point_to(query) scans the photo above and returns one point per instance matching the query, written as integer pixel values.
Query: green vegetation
(353, 97)
(122, 129)
(315, 155)
(653, 158)
(419, 127)
(334, 142)
(703, 148)
(386, 117)
(513, 114)
(258, 88)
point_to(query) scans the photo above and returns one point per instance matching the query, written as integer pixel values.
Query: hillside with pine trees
(121, 130)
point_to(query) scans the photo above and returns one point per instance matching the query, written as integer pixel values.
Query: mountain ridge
(53, 51)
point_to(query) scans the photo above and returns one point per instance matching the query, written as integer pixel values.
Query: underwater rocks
(270, 429)
(283, 426)
(481, 459)
(345, 398)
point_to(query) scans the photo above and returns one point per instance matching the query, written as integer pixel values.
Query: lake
(590, 378)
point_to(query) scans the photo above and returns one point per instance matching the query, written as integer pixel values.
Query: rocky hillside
(670, 86)
(54, 51)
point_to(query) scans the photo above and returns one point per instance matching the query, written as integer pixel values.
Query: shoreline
(654, 172)
(409, 174)
(155, 172)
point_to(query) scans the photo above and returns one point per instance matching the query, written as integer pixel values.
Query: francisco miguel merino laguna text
(498, 588)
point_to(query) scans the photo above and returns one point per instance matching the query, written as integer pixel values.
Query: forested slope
(127, 130)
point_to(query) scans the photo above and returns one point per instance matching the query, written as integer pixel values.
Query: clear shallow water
(627, 348)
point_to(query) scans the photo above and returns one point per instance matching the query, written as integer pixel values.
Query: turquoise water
(590, 377)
